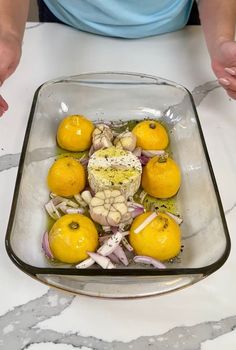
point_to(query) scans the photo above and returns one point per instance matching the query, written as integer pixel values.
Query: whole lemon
(66, 177)
(151, 135)
(75, 133)
(160, 239)
(161, 177)
(71, 237)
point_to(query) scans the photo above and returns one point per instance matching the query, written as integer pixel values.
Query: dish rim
(71, 271)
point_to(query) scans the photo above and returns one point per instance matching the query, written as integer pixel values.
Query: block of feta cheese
(114, 168)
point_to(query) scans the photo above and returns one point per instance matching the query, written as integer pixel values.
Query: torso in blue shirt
(123, 18)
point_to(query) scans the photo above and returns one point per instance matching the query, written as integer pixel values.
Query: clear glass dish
(118, 96)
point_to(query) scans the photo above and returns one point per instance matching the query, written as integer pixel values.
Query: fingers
(3, 106)
(228, 81)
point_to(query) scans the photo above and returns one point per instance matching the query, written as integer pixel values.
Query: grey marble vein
(18, 330)
(9, 161)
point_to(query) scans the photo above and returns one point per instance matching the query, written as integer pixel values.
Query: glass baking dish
(115, 96)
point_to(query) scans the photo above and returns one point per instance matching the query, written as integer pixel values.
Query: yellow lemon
(71, 237)
(161, 177)
(66, 177)
(75, 133)
(160, 239)
(151, 135)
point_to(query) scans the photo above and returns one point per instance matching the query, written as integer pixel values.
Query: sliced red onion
(103, 261)
(176, 218)
(114, 229)
(110, 245)
(63, 208)
(125, 233)
(52, 210)
(119, 252)
(137, 152)
(85, 264)
(80, 200)
(91, 151)
(113, 258)
(144, 160)
(75, 211)
(46, 247)
(136, 211)
(152, 153)
(104, 238)
(148, 260)
(59, 200)
(106, 228)
(142, 196)
(84, 161)
(127, 245)
(146, 222)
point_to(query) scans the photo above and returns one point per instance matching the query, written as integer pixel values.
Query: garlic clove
(113, 218)
(119, 199)
(115, 193)
(107, 193)
(121, 207)
(96, 202)
(100, 195)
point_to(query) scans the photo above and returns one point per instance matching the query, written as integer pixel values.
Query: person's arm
(13, 16)
(218, 19)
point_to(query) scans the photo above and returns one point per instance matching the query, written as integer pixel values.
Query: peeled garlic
(126, 140)
(109, 208)
(102, 137)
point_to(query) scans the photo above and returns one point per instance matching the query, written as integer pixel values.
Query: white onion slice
(85, 264)
(46, 247)
(176, 218)
(146, 222)
(103, 261)
(148, 260)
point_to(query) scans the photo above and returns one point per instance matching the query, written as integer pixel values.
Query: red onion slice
(74, 211)
(111, 244)
(127, 245)
(176, 218)
(52, 210)
(113, 258)
(103, 261)
(146, 222)
(152, 153)
(85, 264)
(148, 260)
(137, 152)
(119, 252)
(144, 160)
(46, 247)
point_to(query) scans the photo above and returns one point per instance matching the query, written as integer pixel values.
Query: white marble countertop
(202, 316)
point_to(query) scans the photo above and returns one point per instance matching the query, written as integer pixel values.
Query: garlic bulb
(109, 208)
(126, 140)
(102, 137)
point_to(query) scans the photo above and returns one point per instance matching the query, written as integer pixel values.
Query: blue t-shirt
(123, 18)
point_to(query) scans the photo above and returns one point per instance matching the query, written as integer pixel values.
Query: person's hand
(224, 66)
(10, 52)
